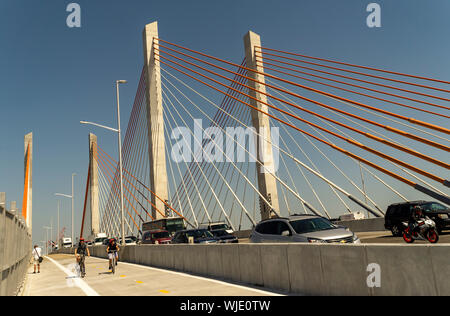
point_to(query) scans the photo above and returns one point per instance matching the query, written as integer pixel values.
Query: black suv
(401, 212)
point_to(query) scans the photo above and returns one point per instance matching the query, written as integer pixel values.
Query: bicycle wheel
(113, 265)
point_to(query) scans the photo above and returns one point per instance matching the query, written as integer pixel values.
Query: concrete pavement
(58, 277)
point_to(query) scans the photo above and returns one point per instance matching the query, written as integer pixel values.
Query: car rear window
(161, 235)
(434, 207)
(200, 233)
(304, 226)
(219, 226)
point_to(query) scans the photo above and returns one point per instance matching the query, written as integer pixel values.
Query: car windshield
(219, 226)
(161, 235)
(304, 226)
(199, 233)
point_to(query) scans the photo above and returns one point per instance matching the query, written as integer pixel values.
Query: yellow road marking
(140, 282)
(164, 291)
(122, 276)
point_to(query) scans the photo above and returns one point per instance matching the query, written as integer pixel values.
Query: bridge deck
(57, 278)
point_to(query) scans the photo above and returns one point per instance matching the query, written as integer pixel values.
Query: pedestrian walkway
(58, 277)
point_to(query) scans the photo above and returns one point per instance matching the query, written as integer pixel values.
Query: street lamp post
(70, 197)
(73, 174)
(46, 244)
(118, 131)
(57, 233)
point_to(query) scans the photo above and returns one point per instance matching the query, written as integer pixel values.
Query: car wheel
(396, 231)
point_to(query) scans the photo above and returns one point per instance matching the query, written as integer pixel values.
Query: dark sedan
(224, 237)
(199, 236)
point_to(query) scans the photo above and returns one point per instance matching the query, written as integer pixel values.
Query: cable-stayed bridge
(279, 133)
(274, 134)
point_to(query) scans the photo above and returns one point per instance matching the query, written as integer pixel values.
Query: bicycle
(113, 261)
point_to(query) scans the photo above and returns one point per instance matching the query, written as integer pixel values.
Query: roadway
(58, 278)
(385, 237)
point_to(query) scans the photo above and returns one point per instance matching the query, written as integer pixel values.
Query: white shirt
(37, 252)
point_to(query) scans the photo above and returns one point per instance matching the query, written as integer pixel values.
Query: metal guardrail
(15, 250)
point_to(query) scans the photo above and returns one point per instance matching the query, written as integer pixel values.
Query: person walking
(37, 258)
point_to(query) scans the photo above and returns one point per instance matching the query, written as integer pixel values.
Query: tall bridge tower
(155, 120)
(266, 181)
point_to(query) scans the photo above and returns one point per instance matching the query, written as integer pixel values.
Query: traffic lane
(137, 280)
(387, 238)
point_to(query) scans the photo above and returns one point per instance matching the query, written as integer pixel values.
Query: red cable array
(353, 65)
(333, 146)
(135, 146)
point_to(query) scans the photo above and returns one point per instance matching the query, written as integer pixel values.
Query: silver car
(301, 228)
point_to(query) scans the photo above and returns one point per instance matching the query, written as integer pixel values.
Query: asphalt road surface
(385, 237)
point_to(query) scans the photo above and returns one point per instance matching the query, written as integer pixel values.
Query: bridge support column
(266, 182)
(27, 204)
(93, 186)
(155, 121)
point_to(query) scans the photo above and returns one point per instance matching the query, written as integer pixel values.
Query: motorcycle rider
(416, 215)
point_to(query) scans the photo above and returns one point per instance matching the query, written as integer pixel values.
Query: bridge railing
(15, 246)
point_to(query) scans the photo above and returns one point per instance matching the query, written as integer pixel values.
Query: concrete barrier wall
(323, 269)
(15, 250)
(364, 225)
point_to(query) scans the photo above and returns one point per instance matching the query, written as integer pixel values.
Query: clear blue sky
(51, 76)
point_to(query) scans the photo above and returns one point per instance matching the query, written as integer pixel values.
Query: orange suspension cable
(104, 160)
(165, 203)
(323, 117)
(427, 174)
(373, 76)
(411, 120)
(113, 194)
(352, 91)
(101, 162)
(323, 141)
(85, 199)
(108, 176)
(351, 78)
(353, 65)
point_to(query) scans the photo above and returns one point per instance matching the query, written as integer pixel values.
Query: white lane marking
(78, 282)
(200, 278)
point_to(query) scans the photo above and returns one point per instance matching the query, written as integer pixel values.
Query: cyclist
(112, 251)
(80, 254)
